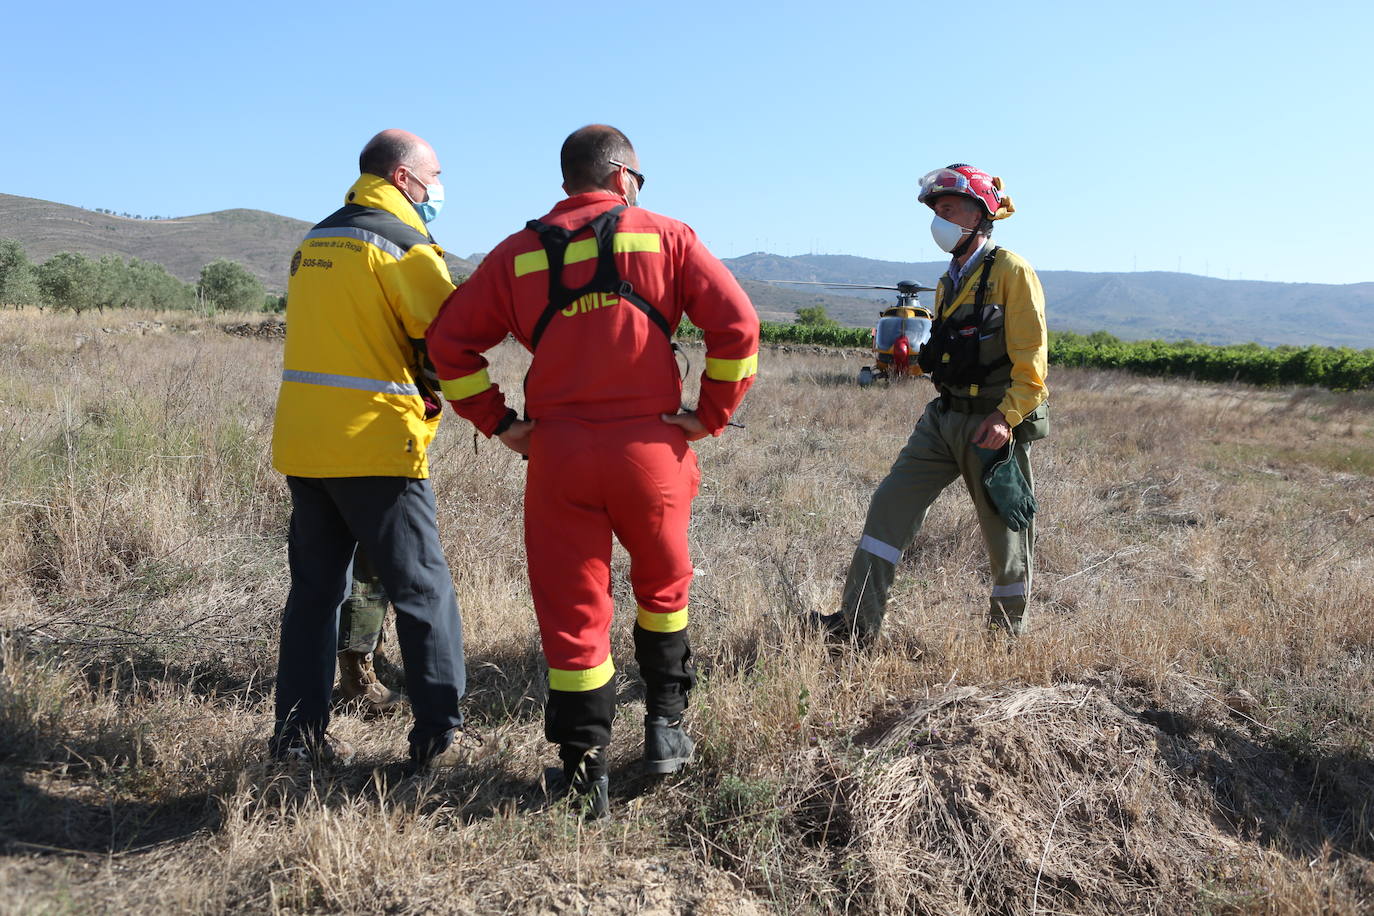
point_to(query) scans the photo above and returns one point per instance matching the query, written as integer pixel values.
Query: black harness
(607, 279)
(950, 357)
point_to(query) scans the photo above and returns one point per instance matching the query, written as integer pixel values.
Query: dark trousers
(393, 520)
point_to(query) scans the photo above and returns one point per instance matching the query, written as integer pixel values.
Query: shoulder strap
(988, 259)
(555, 240)
(949, 290)
(982, 290)
(627, 292)
(607, 279)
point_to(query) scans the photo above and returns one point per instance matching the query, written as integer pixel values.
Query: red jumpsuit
(602, 461)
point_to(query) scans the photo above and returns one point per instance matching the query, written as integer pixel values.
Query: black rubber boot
(667, 748)
(586, 780)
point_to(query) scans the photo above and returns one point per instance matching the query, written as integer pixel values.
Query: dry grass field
(1189, 727)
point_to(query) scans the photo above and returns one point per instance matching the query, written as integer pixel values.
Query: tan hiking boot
(358, 681)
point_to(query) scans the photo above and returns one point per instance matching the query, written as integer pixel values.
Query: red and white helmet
(966, 181)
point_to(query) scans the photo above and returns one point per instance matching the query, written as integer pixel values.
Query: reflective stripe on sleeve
(731, 370)
(879, 549)
(456, 389)
(1008, 591)
(656, 622)
(581, 681)
(347, 381)
(585, 250)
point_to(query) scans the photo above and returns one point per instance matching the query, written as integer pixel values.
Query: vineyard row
(1337, 368)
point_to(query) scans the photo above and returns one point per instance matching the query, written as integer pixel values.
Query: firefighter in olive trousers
(939, 451)
(987, 357)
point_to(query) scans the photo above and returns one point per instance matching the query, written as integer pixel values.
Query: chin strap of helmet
(962, 248)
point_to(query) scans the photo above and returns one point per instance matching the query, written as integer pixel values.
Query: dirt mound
(271, 328)
(1035, 800)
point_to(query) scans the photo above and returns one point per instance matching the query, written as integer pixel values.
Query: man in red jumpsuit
(595, 290)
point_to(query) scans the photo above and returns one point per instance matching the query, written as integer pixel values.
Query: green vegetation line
(1337, 368)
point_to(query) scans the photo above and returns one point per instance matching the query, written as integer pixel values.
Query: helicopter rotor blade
(902, 287)
(834, 285)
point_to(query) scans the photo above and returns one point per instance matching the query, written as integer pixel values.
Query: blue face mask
(433, 203)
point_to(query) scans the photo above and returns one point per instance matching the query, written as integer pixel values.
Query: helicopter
(901, 331)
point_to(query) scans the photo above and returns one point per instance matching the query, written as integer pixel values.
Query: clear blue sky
(1232, 139)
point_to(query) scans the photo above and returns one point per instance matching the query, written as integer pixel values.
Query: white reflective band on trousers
(1008, 591)
(348, 381)
(879, 549)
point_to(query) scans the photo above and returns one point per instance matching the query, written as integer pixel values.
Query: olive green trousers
(939, 451)
(363, 611)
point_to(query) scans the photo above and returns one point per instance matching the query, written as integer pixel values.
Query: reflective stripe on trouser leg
(1009, 552)
(363, 611)
(665, 663)
(923, 468)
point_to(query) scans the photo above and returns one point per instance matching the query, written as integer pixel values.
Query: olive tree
(228, 286)
(69, 281)
(18, 285)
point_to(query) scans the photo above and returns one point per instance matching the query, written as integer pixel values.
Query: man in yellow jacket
(355, 413)
(987, 356)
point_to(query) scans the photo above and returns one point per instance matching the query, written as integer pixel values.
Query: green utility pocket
(361, 616)
(992, 335)
(1034, 425)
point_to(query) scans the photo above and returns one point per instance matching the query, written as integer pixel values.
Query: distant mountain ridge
(1154, 304)
(1172, 306)
(258, 240)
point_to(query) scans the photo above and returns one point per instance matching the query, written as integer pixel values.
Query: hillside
(1133, 306)
(261, 241)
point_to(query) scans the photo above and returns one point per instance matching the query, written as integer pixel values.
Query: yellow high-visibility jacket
(365, 284)
(1016, 330)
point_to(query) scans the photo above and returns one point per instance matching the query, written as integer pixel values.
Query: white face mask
(946, 234)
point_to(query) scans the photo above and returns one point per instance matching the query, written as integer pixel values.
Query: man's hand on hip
(689, 423)
(993, 432)
(517, 436)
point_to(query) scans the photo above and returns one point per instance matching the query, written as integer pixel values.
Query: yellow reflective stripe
(455, 389)
(670, 622)
(531, 261)
(581, 681)
(584, 250)
(577, 252)
(731, 370)
(637, 241)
